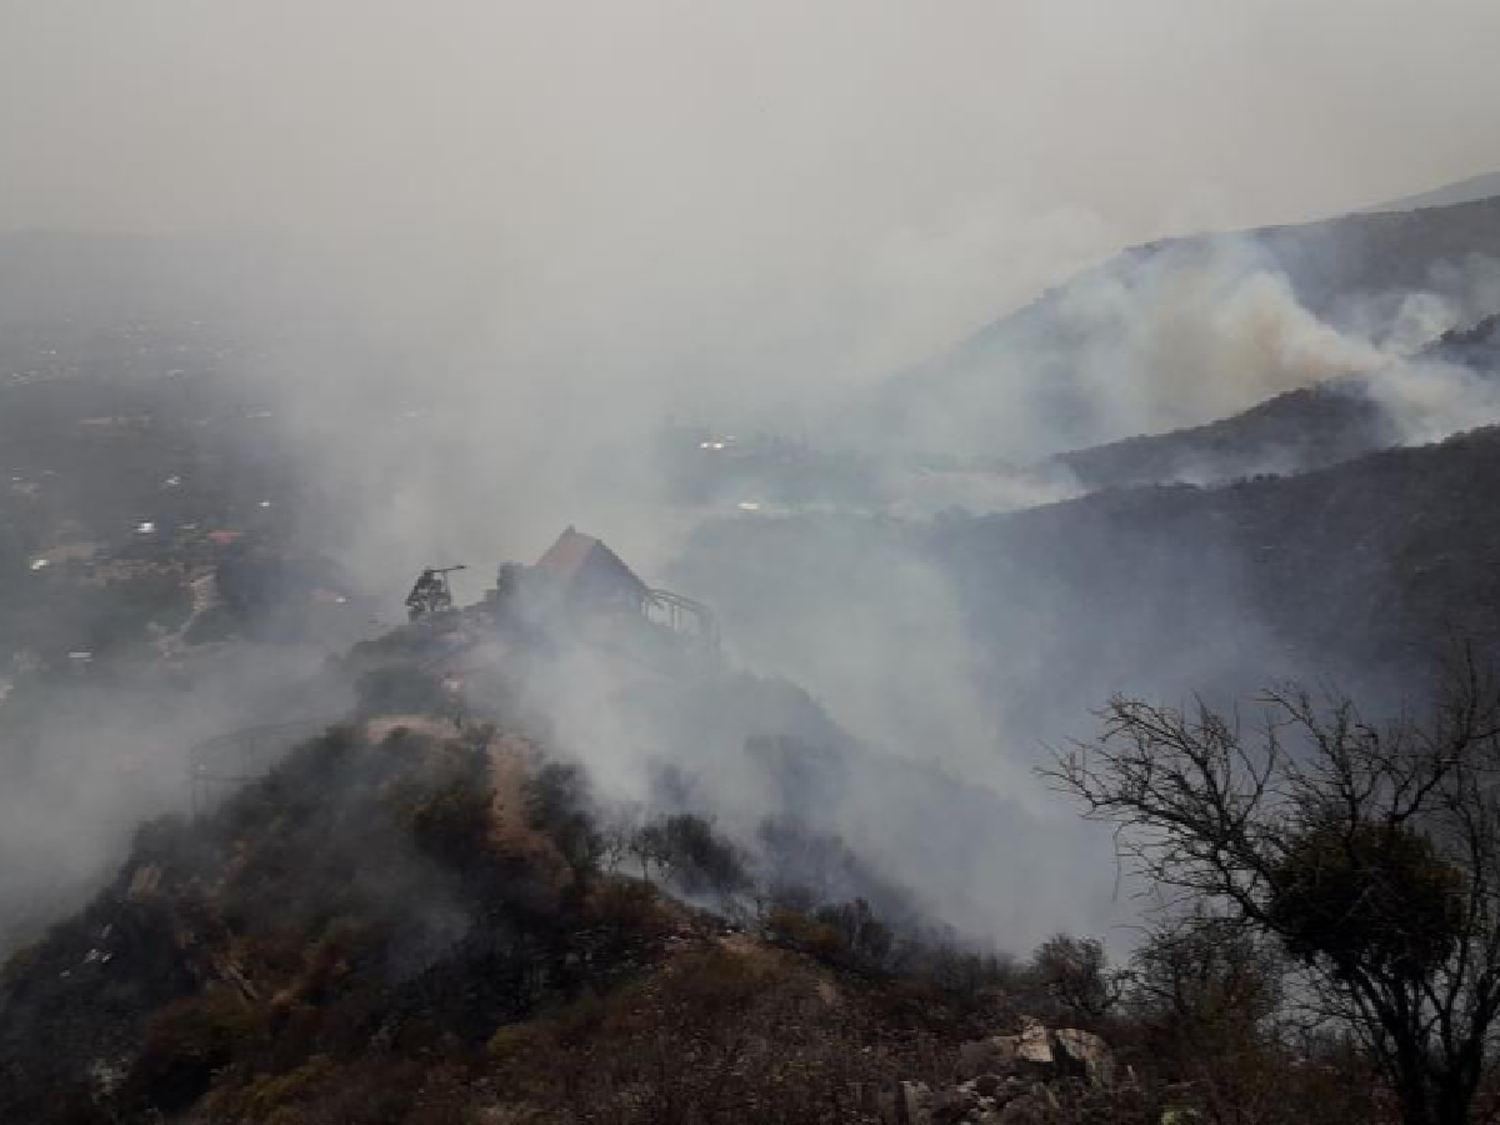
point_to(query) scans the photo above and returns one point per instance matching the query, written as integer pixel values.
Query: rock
(1008, 1080)
(1085, 1050)
(1003, 1054)
(1041, 1054)
(1027, 1053)
(144, 882)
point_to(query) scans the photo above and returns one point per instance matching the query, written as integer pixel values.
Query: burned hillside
(399, 915)
(404, 923)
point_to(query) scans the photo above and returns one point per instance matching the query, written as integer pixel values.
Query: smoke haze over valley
(468, 335)
(971, 365)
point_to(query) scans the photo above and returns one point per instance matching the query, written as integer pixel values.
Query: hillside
(404, 923)
(1308, 428)
(1359, 572)
(1359, 566)
(434, 912)
(1180, 332)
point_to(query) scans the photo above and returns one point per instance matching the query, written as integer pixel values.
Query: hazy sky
(842, 182)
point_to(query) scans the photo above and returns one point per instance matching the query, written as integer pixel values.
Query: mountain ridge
(1307, 428)
(1486, 185)
(1044, 379)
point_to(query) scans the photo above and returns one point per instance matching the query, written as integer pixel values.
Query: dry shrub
(265, 1097)
(629, 907)
(715, 1036)
(187, 1043)
(808, 934)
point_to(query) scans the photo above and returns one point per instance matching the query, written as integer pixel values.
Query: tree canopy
(1369, 850)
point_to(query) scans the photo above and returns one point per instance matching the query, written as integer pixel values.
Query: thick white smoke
(557, 226)
(1170, 337)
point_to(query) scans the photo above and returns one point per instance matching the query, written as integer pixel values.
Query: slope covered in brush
(400, 923)
(1360, 571)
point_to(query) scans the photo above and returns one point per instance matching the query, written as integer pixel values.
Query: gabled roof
(583, 563)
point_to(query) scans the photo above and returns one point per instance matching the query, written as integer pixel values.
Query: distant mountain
(1179, 332)
(1474, 188)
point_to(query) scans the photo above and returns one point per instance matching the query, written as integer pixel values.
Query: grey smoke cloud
(1175, 343)
(501, 241)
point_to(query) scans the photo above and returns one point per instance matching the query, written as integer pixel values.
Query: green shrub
(1377, 894)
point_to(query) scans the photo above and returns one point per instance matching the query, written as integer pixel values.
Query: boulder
(1085, 1051)
(1041, 1054)
(1029, 1052)
(1007, 1080)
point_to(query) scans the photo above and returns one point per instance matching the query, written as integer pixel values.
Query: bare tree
(1371, 851)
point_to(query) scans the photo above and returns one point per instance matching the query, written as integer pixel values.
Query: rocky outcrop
(1086, 1050)
(1041, 1054)
(1032, 1076)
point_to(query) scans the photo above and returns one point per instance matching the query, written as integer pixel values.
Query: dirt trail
(512, 761)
